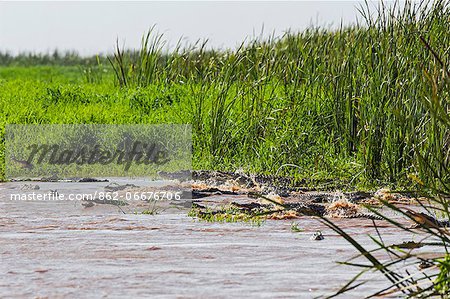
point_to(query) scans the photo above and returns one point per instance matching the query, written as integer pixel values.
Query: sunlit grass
(320, 104)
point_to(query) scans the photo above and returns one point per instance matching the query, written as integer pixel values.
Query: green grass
(366, 105)
(295, 228)
(423, 124)
(227, 214)
(343, 104)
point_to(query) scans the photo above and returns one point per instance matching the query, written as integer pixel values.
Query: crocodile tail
(363, 215)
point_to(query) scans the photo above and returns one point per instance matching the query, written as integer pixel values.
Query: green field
(360, 105)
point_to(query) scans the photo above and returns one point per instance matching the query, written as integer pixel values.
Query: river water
(60, 249)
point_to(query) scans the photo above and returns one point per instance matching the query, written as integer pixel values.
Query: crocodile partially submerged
(422, 219)
(216, 193)
(257, 210)
(265, 183)
(235, 183)
(273, 209)
(293, 199)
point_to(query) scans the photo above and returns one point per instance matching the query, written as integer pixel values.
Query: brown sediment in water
(342, 208)
(65, 250)
(284, 215)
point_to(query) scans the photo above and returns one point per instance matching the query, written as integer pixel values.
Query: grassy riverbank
(354, 104)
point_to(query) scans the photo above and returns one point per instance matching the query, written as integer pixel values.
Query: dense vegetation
(352, 104)
(366, 105)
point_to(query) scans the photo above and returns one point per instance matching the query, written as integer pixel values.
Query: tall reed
(421, 129)
(339, 101)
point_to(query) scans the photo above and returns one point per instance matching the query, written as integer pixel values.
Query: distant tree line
(64, 58)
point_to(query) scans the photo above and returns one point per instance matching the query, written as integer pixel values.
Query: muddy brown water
(60, 249)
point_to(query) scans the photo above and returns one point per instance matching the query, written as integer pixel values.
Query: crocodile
(345, 210)
(421, 219)
(299, 208)
(362, 215)
(318, 210)
(261, 186)
(280, 184)
(217, 178)
(264, 184)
